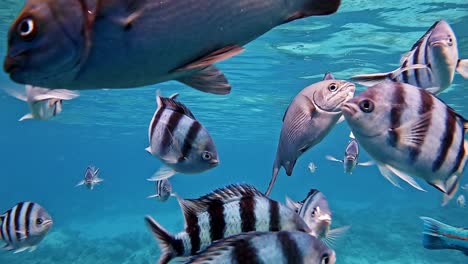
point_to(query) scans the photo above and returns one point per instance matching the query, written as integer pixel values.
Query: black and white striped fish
(351, 155)
(24, 226)
(284, 247)
(44, 103)
(91, 178)
(163, 190)
(409, 131)
(179, 140)
(431, 63)
(225, 212)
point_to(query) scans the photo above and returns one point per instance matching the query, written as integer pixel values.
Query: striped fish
(225, 212)
(437, 235)
(24, 226)
(409, 131)
(44, 103)
(351, 155)
(163, 190)
(308, 119)
(91, 178)
(179, 140)
(431, 63)
(284, 247)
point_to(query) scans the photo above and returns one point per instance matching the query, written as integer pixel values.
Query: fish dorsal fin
(292, 204)
(226, 194)
(172, 104)
(405, 56)
(328, 76)
(2, 217)
(311, 193)
(428, 32)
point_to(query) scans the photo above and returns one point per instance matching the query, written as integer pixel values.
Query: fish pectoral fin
(328, 157)
(26, 116)
(20, 250)
(412, 134)
(334, 235)
(208, 80)
(80, 183)
(388, 175)
(341, 119)
(451, 187)
(214, 57)
(153, 196)
(405, 177)
(163, 173)
(367, 163)
(462, 68)
(16, 94)
(56, 94)
(371, 79)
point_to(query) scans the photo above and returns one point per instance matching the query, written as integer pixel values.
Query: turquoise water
(43, 161)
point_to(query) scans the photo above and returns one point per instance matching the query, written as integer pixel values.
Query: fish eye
(450, 41)
(325, 259)
(39, 221)
(315, 212)
(206, 155)
(366, 106)
(26, 28)
(332, 87)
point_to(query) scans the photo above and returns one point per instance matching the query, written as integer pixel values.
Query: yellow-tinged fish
(89, 44)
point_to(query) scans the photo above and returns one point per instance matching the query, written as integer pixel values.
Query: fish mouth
(11, 65)
(438, 43)
(48, 223)
(325, 218)
(214, 163)
(348, 109)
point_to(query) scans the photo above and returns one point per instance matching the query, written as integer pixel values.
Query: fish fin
(405, 56)
(80, 183)
(433, 90)
(172, 104)
(341, 119)
(276, 168)
(351, 135)
(433, 231)
(292, 204)
(165, 240)
(388, 174)
(451, 185)
(334, 235)
(153, 196)
(19, 250)
(462, 68)
(163, 173)
(209, 80)
(26, 116)
(328, 76)
(328, 157)
(405, 177)
(367, 163)
(216, 56)
(148, 149)
(412, 134)
(32, 249)
(371, 79)
(18, 95)
(314, 8)
(400, 70)
(57, 94)
(174, 96)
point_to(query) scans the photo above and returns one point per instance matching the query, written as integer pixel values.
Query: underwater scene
(127, 122)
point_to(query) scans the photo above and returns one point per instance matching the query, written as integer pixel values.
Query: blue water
(42, 161)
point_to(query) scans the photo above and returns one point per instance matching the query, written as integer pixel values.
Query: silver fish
(24, 226)
(44, 103)
(437, 235)
(227, 211)
(431, 63)
(284, 247)
(461, 200)
(63, 43)
(409, 131)
(163, 190)
(308, 119)
(91, 178)
(181, 142)
(351, 155)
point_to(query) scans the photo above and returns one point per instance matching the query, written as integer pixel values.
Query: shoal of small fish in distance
(461, 65)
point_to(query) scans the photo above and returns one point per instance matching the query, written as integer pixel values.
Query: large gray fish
(91, 178)
(410, 132)
(284, 247)
(24, 226)
(163, 190)
(44, 103)
(351, 155)
(308, 119)
(179, 140)
(89, 44)
(225, 212)
(437, 52)
(437, 235)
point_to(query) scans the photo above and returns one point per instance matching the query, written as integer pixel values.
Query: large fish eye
(366, 106)
(39, 221)
(316, 211)
(450, 41)
(206, 155)
(325, 259)
(26, 28)
(332, 87)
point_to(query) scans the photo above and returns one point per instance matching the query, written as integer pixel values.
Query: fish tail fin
(433, 231)
(451, 185)
(371, 79)
(312, 8)
(462, 68)
(276, 168)
(165, 239)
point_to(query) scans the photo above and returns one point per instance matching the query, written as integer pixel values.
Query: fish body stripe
(178, 246)
(245, 253)
(405, 73)
(192, 134)
(460, 155)
(193, 231)
(169, 129)
(17, 224)
(217, 221)
(155, 121)
(416, 71)
(428, 64)
(290, 249)
(446, 139)
(247, 213)
(398, 106)
(27, 223)
(275, 224)
(7, 227)
(425, 107)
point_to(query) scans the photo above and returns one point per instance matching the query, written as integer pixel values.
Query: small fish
(461, 200)
(437, 235)
(163, 190)
(225, 212)
(62, 43)
(44, 103)
(181, 142)
(465, 187)
(312, 167)
(308, 119)
(316, 213)
(24, 226)
(91, 178)
(410, 132)
(431, 63)
(350, 160)
(284, 247)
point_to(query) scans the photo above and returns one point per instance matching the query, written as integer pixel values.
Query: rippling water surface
(42, 161)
